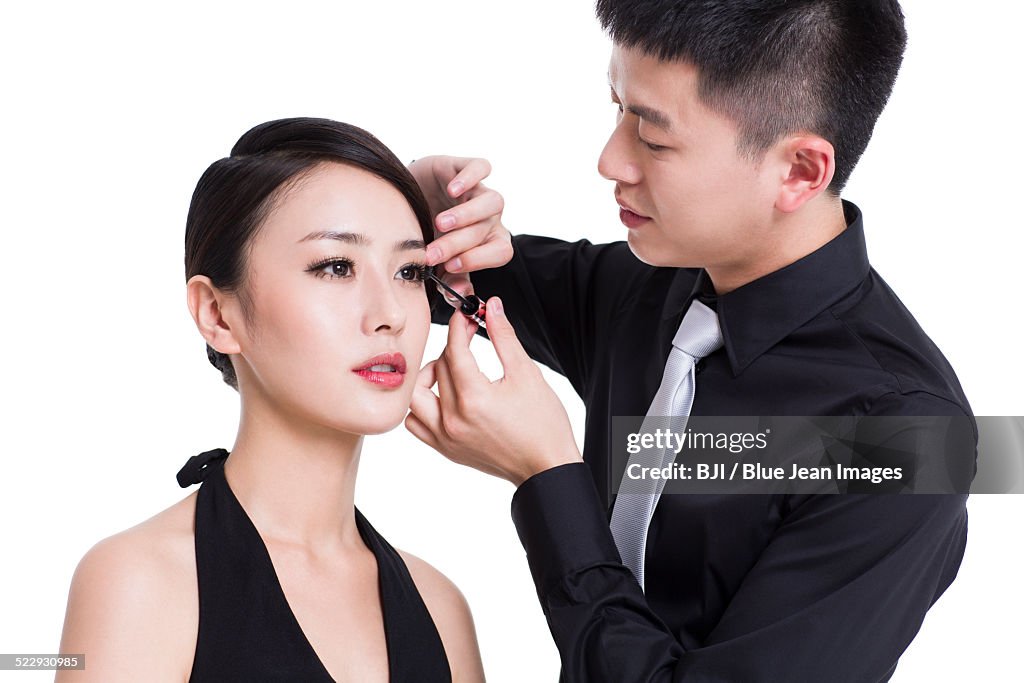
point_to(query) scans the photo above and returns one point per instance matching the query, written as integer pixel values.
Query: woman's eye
(414, 272)
(337, 269)
(332, 268)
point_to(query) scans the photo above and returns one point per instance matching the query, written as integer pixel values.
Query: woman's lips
(386, 370)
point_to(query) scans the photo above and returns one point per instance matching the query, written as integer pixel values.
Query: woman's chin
(355, 413)
(370, 430)
(369, 424)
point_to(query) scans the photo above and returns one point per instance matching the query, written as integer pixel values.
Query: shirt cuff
(562, 524)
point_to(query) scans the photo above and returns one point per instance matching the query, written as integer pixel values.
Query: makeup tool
(470, 306)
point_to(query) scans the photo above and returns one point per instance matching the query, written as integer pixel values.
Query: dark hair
(777, 66)
(236, 194)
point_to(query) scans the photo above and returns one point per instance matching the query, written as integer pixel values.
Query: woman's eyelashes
(335, 268)
(417, 272)
(332, 267)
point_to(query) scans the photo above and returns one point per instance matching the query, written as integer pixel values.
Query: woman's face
(335, 280)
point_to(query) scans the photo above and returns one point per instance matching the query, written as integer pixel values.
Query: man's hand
(511, 428)
(468, 231)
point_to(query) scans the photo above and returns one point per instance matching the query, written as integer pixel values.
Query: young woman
(304, 253)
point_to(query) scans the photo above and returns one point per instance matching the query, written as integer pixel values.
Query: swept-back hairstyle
(777, 67)
(237, 193)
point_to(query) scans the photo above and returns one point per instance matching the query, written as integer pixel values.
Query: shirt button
(699, 366)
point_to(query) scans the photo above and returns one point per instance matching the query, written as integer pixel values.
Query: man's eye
(653, 147)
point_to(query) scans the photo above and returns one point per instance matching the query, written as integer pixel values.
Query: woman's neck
(295, 481)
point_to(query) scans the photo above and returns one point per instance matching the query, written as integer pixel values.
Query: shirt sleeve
(560, 297)
(837, 595)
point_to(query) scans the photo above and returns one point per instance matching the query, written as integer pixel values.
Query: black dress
(247, 631)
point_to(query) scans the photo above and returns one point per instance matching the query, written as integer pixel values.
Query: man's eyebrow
(655, 117)
(358, 239)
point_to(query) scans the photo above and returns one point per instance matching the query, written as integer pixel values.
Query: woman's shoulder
(450, 612)
(158, 552)
(133, 605)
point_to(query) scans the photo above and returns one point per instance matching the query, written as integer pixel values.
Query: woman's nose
(384, 312)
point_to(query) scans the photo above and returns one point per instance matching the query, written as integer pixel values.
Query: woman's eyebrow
(360, 239)
(355, 238)
(410, 245)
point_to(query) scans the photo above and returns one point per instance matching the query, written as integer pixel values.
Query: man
(740, 123)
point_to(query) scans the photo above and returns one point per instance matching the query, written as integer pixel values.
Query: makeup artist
(743, 287)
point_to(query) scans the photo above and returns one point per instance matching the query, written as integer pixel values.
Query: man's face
(688, 198)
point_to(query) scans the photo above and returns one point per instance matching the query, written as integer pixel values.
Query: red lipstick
(386, 370)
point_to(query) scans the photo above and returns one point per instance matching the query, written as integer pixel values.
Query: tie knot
(699, 334)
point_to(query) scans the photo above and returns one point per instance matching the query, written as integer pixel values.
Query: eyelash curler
(470, 306)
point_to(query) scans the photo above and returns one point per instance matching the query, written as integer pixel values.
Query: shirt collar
(765, 311)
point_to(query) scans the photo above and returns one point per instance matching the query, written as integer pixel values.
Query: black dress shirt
(739, 588)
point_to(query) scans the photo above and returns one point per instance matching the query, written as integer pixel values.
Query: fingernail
(433, 256)
(494, 306)
(456, 188)
(447, 221)
(454, 265)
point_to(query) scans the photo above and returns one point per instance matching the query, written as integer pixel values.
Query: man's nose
(617, 161)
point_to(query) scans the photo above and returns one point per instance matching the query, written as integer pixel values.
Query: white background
(111, 112)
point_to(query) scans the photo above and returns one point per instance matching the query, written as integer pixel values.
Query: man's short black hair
(777, 67)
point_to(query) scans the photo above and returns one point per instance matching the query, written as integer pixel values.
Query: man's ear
(207, 305)
(808, 163)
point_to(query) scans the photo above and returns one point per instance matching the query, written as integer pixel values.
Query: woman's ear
(809, 162)
(207, 305)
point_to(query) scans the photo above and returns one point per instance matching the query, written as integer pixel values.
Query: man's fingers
(424, 403)
(470, 171)
(481, 202)
(459, 359)
(446, 247)
(447, 392)
(422, 432)
(453, 250)
(506, 344)
(427, 376)
(493, 253)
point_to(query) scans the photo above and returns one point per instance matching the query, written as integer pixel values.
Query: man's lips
(626, 207)
(386, 369)
(629, 216)
(631, 219)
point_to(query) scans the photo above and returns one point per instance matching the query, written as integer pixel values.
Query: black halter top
(248, 632)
